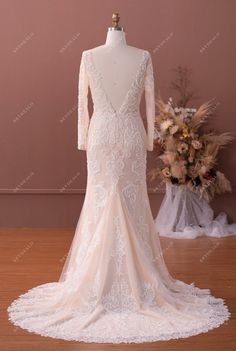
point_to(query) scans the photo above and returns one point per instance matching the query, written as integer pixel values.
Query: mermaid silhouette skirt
(115, 286)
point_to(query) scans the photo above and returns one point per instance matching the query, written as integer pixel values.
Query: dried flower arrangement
(188, 157)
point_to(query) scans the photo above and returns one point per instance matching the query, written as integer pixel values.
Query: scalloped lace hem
(131, 327)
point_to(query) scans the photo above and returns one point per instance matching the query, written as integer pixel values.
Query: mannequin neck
(115, 38)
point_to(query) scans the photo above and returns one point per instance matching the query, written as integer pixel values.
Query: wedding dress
(115, 286)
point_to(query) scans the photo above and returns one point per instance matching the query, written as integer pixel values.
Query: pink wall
(43, 175)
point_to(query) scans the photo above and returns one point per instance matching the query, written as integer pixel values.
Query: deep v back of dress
(115, 286)
(117, 69)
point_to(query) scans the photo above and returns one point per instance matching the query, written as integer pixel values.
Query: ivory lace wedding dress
(115, 286)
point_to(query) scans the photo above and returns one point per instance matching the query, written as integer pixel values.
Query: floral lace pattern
(115, 286)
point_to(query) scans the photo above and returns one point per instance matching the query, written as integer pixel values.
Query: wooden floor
(30, 257)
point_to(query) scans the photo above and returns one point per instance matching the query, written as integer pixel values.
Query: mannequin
(115, 286)
(116, 56)
(113, 57)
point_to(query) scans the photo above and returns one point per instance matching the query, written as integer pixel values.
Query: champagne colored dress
(115, 286)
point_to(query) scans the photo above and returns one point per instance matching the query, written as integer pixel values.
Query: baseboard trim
(63, 191)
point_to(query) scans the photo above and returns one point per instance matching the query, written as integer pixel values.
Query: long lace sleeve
(83, 114)
(150, 103)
